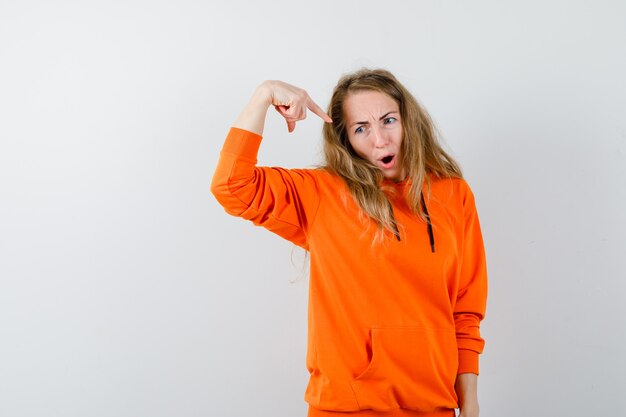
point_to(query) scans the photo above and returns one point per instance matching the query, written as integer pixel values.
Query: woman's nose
(380, 140)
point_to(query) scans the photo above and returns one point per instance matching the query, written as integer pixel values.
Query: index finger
(318, 110)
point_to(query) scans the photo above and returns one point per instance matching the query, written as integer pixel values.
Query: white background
(125, 290)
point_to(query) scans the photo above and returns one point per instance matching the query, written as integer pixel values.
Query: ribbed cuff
(242, 143)
(468, 362)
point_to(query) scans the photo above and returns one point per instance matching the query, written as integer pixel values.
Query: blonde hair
(422, 154)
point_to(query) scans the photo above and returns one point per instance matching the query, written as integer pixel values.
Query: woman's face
(375, 130)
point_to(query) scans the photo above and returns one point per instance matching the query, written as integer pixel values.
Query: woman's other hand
(466, 387)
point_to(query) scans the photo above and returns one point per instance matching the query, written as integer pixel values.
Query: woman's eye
(389, 120)
(358, 129)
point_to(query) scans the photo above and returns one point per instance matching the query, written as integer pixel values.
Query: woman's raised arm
(290, 101)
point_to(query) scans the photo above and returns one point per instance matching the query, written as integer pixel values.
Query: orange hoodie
(389, 325)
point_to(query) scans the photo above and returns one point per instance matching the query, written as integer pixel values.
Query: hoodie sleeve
(471, 299)
(281, 200)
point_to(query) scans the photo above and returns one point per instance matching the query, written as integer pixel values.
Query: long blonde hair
(422, 154)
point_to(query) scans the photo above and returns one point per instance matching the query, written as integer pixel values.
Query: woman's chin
(393, 176)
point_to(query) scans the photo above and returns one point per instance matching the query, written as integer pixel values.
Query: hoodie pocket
(410, 367)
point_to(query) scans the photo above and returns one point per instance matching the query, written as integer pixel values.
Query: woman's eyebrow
(359, 123)
(384, 116)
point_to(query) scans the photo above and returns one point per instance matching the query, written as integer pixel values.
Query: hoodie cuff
(242, 143)
(468, 362)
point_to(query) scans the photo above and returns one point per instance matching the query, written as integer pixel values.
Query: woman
(398, 280)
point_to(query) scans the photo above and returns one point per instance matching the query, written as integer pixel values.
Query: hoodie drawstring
(431, 235)
(430, 225)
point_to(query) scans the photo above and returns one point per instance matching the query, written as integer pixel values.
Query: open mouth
(388, 161)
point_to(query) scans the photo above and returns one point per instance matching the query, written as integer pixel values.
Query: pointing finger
(318, 110)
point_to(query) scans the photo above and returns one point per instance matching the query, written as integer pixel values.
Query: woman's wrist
(262, 96)
(467, 389)
(252, 117)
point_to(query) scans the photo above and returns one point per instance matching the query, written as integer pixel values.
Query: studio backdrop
(126, 290)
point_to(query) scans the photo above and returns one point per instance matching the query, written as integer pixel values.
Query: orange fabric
(313, 412)
(389, 326)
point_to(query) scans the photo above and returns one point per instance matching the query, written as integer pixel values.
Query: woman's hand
(466, 387)
(289, 101)
(292, 102)
(469, 411)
